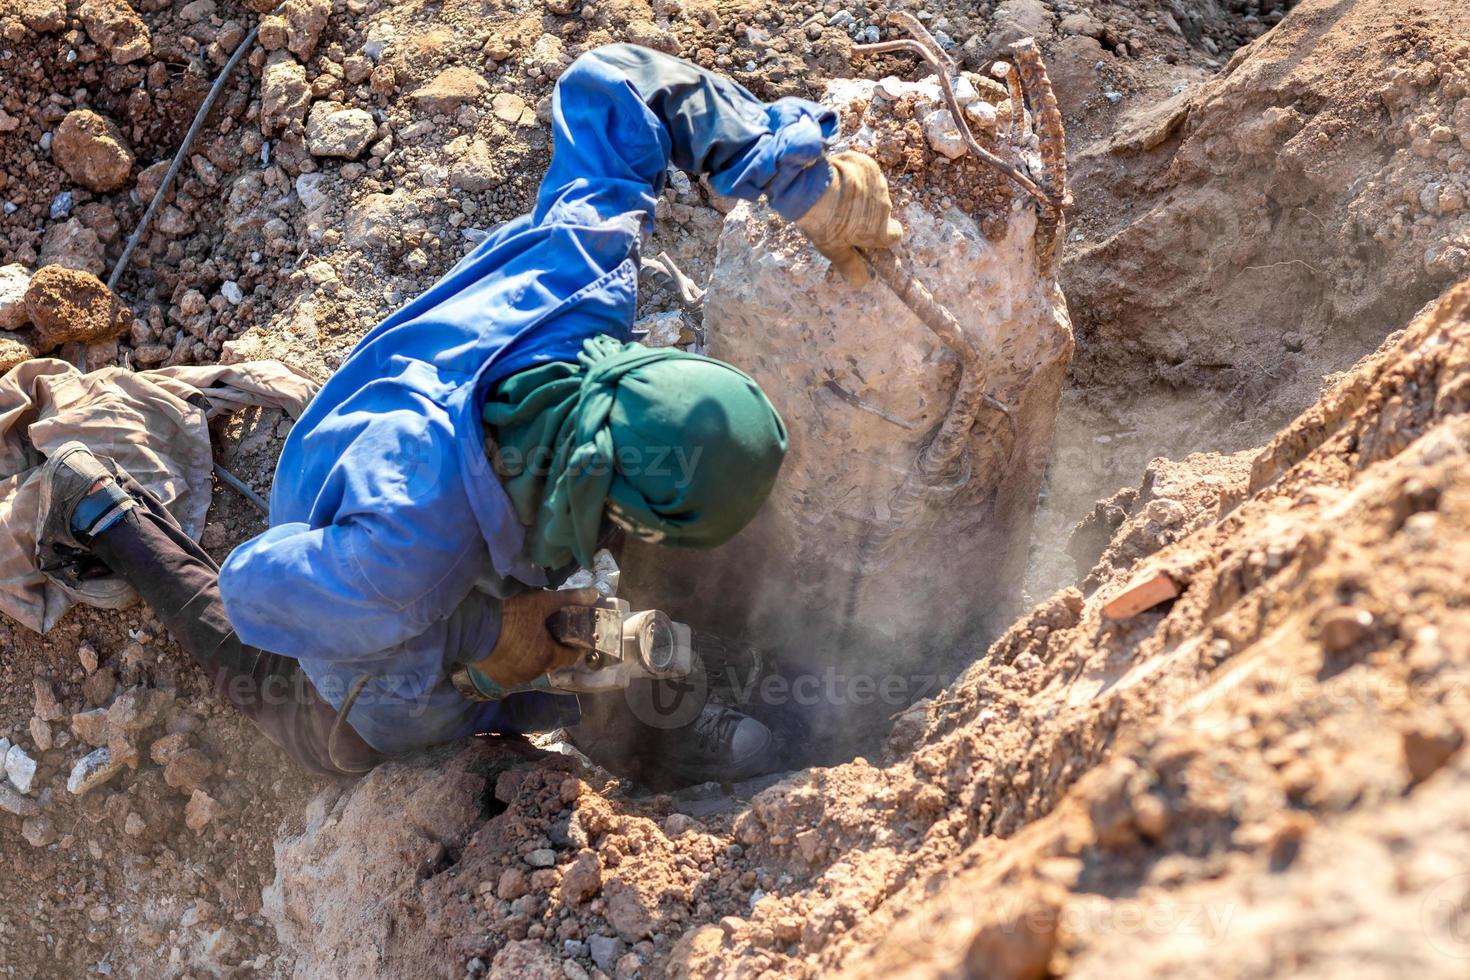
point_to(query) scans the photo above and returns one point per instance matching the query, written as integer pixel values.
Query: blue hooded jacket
(385, 512)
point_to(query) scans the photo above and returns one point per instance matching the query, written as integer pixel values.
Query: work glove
(526, 649)
(854, 212)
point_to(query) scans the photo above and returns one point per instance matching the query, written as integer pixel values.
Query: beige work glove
(526, 649)
(853, 212)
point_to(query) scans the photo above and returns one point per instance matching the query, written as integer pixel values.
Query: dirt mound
(1197, 770)
(1322, 179)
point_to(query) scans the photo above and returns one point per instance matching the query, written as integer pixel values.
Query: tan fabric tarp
(153, 423)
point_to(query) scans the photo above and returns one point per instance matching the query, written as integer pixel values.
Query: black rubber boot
(684, 746)
(721, 745)
(80, 496)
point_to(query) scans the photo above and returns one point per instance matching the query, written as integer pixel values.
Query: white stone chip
(20, 768)
(944, 136)
(91, 771)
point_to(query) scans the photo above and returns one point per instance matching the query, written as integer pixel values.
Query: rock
(168, 748)
(201, 810)
(91, 771)
(123, 748)
(75, 246)
(548, 54)
(46, 707)
(137, 709)
(375, 224)
(383, 80)
(273, 33)
(450, 89)
(332, 131)
(1343, 627)
(696, 953)
(14, 279)
(678, 823)
(498, 48)
(189, 770)
(151, 353)
(981, 116)
(309, 190)
(305, 21)
(90, 726)
(99, 685)
(542, 857)
(625, 910)
(91, 150)
(43, 16)
(284, 95)
(117, 29)
(197, 10)
(70, 305)
(87, 656)
(150, 178)
(1427, 747)
(1082, 23)
(20, 768)
(40, 734)
(174, 222)
(13, 802)
(474, 170)
(38, 831)
(666, 329)
(14, 349)
(356, 69)
(513, 884)
(525, 959)
(582, 878)
(943, 134)
(511, 108)
(135, 825)
(605, 952)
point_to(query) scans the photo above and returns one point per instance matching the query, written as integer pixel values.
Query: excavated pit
(852, 632)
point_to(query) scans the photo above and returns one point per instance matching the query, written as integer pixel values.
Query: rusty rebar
(1049, 130)
(1051, 147)
(1017, 96)
(942, 456)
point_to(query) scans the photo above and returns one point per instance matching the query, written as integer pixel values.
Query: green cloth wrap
(676, 448)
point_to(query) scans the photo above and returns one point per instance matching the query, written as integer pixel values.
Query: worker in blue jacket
(478, 444)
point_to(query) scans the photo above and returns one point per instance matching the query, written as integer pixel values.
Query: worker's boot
(721, 745)
(718, 744)
(80, 498)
